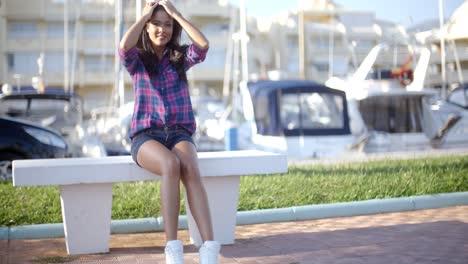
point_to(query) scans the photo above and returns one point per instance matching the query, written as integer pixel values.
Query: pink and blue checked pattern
(162, 99)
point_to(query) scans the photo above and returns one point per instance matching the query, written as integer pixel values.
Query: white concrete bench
(86, 191)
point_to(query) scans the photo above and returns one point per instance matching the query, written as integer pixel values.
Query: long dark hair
(176, 51)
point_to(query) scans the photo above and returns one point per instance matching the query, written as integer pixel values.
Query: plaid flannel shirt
(164, 99)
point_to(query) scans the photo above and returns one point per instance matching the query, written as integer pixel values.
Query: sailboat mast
(331, 48)
(138, 9)
(75, 46)
(229, 57)
(302, 50)
(65, 46)
(244, 40)
(442, 48)
(118, 82)
(457, 61)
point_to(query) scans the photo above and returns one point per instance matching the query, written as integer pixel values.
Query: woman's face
(159, 28)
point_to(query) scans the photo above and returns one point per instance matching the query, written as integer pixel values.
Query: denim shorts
(168, 136)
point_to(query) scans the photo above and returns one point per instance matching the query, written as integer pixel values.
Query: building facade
(318, 41)
(31, 28)
(322, 40)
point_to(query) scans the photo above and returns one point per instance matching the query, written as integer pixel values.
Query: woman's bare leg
(156, 158)
(196, 194)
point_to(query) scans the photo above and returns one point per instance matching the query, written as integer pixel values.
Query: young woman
(163, 121)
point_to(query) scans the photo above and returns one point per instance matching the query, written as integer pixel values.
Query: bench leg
(86, 212)
(223, 193)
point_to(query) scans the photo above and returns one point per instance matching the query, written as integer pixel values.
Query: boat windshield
(298, 108)
(54, 113)
(311, 111)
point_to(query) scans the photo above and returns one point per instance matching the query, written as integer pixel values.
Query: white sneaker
(209, 252)
(174, 252)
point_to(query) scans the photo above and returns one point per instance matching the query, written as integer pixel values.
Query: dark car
(24, 140)
(58, 110)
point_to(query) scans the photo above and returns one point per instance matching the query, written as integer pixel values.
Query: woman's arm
(192, 31)
(130, 39)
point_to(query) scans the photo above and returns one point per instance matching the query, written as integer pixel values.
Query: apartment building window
(26, 62)
(98, 64)
(320, 66)
(10, 61)
(215, 29)
(293, 45)
(363, 45)
(433, 69)
(53, 62)
(61, 2)
(128, 3)
(357, 20)
(340, 66)
(97, 30)
(126, 27)
(292, 55)
(293, 62)
(215, 58)
(23, 63)
(23, 30)
(55, 30)
(320, 43)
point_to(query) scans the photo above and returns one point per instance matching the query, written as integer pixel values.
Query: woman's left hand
(170, 9)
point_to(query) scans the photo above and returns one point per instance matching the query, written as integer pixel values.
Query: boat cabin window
(311, 111)
(392, 114)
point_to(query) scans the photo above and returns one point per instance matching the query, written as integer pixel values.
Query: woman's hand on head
(169, 7)
(149, 8)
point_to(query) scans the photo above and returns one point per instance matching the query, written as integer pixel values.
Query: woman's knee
(171, 166)
(190, 174)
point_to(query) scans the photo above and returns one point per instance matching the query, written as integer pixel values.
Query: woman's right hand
(148, 9)
(130, 38)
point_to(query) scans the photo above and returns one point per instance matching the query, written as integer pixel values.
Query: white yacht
(390, 115)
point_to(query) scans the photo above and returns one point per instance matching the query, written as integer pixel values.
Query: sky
(405, 12)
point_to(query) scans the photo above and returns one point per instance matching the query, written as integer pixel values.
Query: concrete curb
(296, 213)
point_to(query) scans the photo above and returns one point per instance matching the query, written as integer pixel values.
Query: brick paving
(425, 236)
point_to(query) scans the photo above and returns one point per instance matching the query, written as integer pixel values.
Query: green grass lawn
(303, 185)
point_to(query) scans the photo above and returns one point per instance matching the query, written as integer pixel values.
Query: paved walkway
(426, 236)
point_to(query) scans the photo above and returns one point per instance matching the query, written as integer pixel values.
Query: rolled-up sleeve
(130, 59)
(194, 55)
